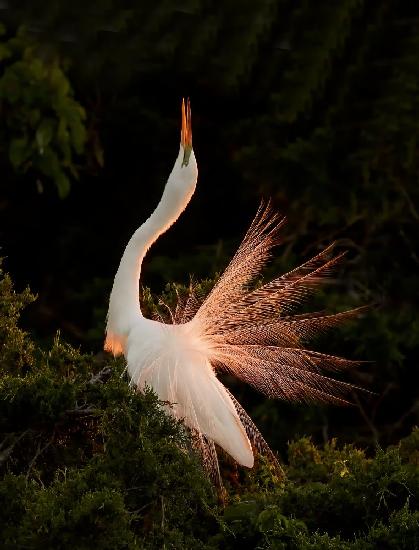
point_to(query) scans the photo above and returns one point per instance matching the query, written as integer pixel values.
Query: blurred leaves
(43, 126)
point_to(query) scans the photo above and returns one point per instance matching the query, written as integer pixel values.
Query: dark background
(312, 103)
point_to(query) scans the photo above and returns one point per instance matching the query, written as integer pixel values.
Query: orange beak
(186, 132)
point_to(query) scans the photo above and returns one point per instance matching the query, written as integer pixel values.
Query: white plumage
(250, 333)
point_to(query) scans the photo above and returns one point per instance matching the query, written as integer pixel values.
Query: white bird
(247, 331)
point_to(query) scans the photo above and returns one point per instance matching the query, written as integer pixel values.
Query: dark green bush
(88, 462)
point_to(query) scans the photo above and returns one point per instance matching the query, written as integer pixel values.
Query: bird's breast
(153, 346)
(174, 361)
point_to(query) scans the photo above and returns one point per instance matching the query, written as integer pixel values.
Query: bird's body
(245, 331)
(175, 360)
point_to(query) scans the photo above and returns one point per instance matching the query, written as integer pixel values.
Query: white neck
(124, 306)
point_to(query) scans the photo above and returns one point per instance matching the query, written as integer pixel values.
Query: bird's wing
(184, 379)
(255, 436)
(205, 405)
(232, 304)
(286, 373)
(290, 331)
(205, 447)
(246, 264)
(255, 335)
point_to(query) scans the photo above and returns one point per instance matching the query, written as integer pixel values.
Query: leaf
(245, 510)
(4, 52)
(38, 103)
(18, 151)
(63, 185)
(267, 519)
(98, 152)
(44, 134)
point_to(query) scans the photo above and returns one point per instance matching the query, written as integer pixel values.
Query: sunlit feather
(247, 331)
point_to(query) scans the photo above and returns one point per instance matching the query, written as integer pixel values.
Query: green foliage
(86, 462)
(174, 294)
(43, 126)
(16, 347)
(333, 498)
(312, 103)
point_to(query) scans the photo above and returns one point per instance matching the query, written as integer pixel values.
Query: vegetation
(42, 123)
(313, 103)
(86, 461)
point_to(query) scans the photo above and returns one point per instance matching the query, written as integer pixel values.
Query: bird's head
(186, 132)
(183, 178)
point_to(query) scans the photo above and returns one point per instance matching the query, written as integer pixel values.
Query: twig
(84, 410)
(101, 376)
(409, 201)
(413, 254)
(397, 425)
(8, 451)
(366, 418)
(162, 518)
(38, 453)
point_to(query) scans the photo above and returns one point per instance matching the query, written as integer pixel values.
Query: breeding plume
(248, 331)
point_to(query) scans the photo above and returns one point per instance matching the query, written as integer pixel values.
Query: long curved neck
(124, 304)
(170, 207)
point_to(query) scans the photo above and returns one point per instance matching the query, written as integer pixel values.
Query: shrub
(88, 462)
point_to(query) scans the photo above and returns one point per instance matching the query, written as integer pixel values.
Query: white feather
(248, 333)
(174, 361)
(171, 359)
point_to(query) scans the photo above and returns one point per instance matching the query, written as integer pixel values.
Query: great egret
(248, 332)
